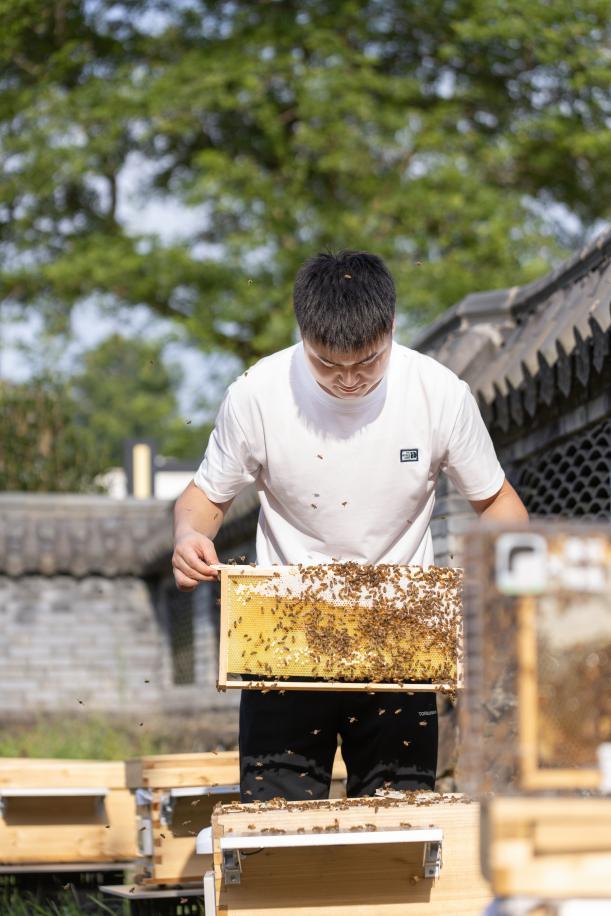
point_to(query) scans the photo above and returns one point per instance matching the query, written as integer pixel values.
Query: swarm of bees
(398, 800)
(346, 622)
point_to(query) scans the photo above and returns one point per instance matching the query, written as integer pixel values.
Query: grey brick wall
(97, 640)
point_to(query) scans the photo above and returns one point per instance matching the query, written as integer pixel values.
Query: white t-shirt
(347, 479)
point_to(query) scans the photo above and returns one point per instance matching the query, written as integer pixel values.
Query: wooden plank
(28, 772)
(582, 836)
(364, 686)
(556, 876)
(176, 770)
(570, 779)
(523, 808)
(558, 847)
(527, 687)
(223, 633)
(365, 881)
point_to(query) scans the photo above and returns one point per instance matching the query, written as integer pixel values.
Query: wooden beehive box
(536, 713)
(65, 811)
(344, 625)
(551, 848)
(175, 796)
(361, 856)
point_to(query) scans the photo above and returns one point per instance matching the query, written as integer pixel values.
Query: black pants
(288, 742)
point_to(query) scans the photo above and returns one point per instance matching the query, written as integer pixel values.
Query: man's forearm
(195, 512)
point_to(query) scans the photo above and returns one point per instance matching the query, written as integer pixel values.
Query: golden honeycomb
(343, 622)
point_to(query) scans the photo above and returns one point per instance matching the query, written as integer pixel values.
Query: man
(344, 435)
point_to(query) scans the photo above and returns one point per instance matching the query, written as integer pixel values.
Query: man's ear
(394, 325)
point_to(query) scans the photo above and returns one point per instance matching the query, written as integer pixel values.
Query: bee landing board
(340, 626)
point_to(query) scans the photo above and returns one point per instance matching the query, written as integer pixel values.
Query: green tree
(443, 134)
(124, 390)
(59, 433)
(43, 447)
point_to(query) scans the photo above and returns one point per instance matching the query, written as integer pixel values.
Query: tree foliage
(43, 448)
(125, 390)
(442, 134)
(59, 434)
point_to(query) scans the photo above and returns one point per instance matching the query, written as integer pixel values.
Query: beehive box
(176, 794)
(344, 625)
(65, 811)
(350, 868)
(548, 847)
(536, 712)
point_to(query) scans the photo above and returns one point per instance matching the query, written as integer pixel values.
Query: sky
(90, 324)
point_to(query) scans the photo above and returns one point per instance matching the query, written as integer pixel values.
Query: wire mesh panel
(345, 624)
(573, 478)
(537, 705)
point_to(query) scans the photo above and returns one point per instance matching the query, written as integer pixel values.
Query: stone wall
(98, 640)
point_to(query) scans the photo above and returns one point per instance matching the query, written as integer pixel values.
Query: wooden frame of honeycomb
(341, 626)
(537, 711)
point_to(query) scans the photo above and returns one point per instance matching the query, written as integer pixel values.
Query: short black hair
(345, 301)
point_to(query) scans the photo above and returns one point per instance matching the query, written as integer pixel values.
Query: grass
(56, 901)
(96, 737)
(81, 900)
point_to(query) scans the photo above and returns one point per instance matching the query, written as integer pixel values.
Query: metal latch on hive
(432, 859)
(232, 866)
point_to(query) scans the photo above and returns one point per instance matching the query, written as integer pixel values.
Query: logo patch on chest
(409, 454)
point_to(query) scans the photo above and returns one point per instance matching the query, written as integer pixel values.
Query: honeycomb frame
(321, 635)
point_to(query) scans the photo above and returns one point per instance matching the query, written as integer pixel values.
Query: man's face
(349, 375)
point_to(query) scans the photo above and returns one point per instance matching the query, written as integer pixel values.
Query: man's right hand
(192, 558)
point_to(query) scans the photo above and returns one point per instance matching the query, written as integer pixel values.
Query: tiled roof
(64, 534)
(536, 339)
